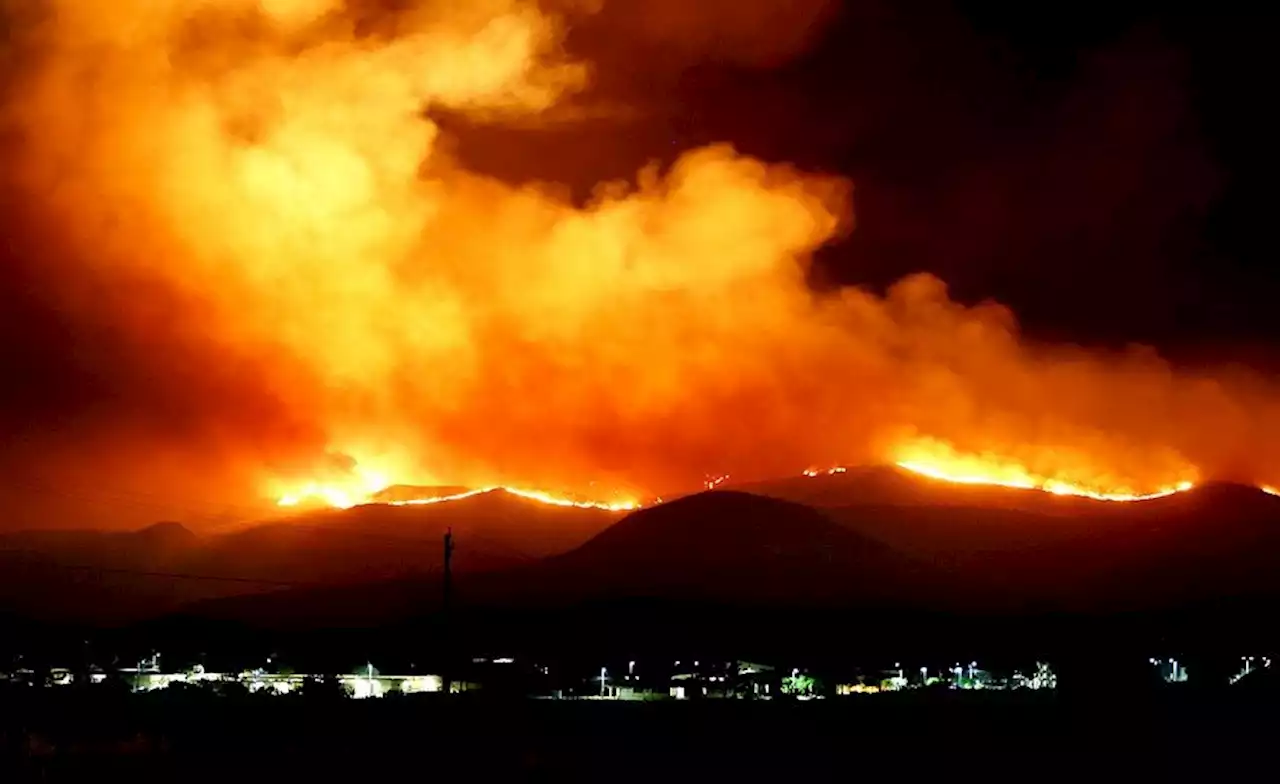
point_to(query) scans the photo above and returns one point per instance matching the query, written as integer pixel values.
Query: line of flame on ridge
(342, 500)
(1046, 486)
(1053, 486)
(531, 495)
(373, 484)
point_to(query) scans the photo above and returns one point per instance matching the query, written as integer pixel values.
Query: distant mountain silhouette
(157, 546)
(735, 547)
(877, 540)
(495, 531)
(83, 574)
(890, 486)
(1215, 541)
(78, 575)
(717, 548)
(167, 536)
(498, 518)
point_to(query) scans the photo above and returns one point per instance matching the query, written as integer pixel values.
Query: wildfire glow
(711, 483)
(529, 495)
(346, 498)
(362, 487)
(1014, 477)
(278, 179)
(926, 457)
(939, 460)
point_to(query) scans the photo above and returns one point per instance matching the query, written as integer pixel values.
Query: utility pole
(448, 569)
(447, 679)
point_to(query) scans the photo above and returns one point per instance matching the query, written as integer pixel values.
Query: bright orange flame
(346, 496)
(927, 457)
(811, 472)
(355, 490)
(280, 166)
(529, 495)
(1269, 490)
(939, 460)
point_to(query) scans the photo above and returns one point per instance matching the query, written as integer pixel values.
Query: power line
(252, 517)
(178, 575)
(171, 575)
(136, 500)
(447, 600)
(340, 530)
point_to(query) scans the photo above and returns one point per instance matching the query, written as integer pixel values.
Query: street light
(603, 674)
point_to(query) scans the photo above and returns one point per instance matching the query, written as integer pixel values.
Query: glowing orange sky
(276, 166)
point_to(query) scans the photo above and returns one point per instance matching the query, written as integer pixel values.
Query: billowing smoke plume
(258, 193)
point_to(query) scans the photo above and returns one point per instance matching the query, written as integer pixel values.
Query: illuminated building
(1171, 670)
(1042, 678)
(717, 680)
(970, 677)
(894, 679)
(801, 686)
(846, 689)
(1248, 666)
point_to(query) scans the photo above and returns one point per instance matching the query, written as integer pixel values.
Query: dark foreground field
(56, 737)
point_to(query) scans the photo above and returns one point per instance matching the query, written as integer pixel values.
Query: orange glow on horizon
(1015, 479)
(928, 458)
(340, 495)
(712, 483)
(939, 460)
(277, 178)
(346, 498)
(529, 495)
(812, 472)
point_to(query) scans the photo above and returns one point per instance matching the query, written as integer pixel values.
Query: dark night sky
(1105, 169)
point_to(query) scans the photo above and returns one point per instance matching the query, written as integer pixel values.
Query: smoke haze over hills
(266, 243)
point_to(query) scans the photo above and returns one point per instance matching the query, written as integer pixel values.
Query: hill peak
(723, 525)
(167, 531)
(733, 546)
(736, 512)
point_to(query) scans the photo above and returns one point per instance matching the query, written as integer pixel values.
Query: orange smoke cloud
(275, 165)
